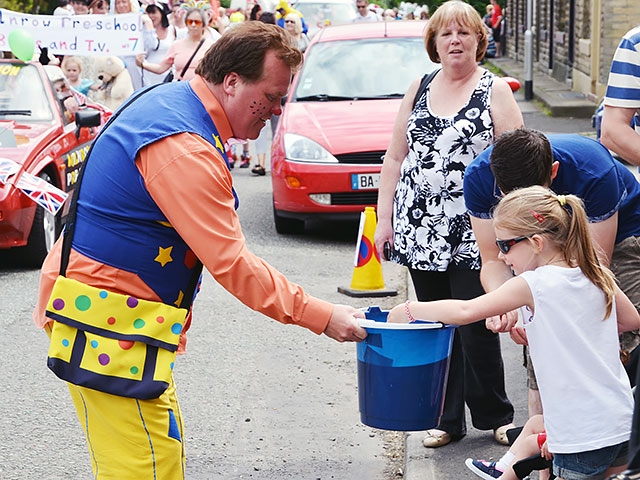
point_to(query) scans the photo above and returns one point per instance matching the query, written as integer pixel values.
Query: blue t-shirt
(85, 85)
(586, 170)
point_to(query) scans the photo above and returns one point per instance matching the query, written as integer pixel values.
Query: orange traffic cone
(367, 278)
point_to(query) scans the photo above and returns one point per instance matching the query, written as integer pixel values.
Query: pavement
(555, 96)
(554, 109)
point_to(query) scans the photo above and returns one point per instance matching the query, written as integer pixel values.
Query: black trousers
(476, 372)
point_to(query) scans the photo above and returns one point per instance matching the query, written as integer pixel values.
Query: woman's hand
(384, 234)
(147, 24)
(140, 59)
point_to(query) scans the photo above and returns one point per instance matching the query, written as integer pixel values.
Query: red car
(338, 117)
(39, 137)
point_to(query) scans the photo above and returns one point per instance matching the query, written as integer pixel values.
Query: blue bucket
(402, 372)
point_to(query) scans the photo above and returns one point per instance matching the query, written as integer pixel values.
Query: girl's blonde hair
(70, 59)
(562, 219)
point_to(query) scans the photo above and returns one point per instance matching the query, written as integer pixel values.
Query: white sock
(505, 461)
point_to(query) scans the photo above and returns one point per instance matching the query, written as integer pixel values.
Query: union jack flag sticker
(42, 192)
(7, 169)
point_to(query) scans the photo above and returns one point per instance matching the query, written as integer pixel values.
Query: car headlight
(301, 149)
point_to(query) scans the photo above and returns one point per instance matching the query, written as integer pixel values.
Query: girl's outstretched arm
(628, 317)
(511, 295)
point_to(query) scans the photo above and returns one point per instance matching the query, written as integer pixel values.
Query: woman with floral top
(421, 212)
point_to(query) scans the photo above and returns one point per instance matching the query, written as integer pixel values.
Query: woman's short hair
(297, 22)
(464, 15)
(163, 14)
(203, 15)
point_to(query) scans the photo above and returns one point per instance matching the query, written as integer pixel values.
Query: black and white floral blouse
(432, 228)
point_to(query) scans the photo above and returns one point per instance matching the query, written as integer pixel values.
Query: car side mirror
(88, 117)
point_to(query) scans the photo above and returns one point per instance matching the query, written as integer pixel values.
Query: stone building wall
(573, 40)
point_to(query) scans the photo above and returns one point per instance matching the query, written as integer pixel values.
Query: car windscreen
(362, 69)
(321, 14)
(22, 94)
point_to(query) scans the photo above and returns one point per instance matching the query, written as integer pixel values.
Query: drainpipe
(528, 54)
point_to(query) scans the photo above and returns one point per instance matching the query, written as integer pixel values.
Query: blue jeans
(476, 372)
(590, 465)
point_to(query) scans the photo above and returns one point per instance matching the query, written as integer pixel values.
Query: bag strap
(69, 226)
(424, 83)
(184, 70)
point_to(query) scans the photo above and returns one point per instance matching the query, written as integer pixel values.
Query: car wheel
(44, 232)
(286, 225)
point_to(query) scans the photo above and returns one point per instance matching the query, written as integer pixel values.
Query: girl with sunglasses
(573, 312)
(182, 50)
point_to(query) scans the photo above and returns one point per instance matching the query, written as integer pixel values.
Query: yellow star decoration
(219, 145)
(164, 256)
(178, 302)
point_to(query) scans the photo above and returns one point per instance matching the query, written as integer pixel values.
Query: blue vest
(118, 223)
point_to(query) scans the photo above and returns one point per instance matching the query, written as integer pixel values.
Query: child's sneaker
(246, 161)
(483, 469)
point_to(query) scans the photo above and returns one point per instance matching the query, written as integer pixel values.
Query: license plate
(365, 181)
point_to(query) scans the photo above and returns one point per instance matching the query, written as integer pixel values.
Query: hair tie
(537, 216)
(199, 4)
(562, 199)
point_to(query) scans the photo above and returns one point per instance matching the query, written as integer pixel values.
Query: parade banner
(118, 35)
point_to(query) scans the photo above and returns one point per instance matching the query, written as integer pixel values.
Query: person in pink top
(496, 25)
(181, 52)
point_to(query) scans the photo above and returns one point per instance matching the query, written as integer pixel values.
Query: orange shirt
(190, 182)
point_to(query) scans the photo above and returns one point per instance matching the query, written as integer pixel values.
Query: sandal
(436, 438)
(500, 434)
(258, 170)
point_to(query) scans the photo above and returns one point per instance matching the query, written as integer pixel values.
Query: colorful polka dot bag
(107, 341)
(111, 342)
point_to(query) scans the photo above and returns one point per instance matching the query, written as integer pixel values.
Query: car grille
(374, 158)
(355, 198)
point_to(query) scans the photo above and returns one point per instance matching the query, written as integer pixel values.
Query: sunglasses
(505, 245)
(361, 6)
(193, 22)
(289, 21)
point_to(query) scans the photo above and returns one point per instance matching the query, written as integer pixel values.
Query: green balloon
(21, 44)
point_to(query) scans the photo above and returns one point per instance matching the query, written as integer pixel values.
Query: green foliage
(42, 7)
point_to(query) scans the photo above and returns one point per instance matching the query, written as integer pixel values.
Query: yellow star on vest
(178, 302)
(218, 143)
(164, 256)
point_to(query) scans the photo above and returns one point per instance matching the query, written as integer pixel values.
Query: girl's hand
(398, 315)
(140, 59)
(502, 323)
(544, 452)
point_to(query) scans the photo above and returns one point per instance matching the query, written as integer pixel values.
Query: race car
(46, 130)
